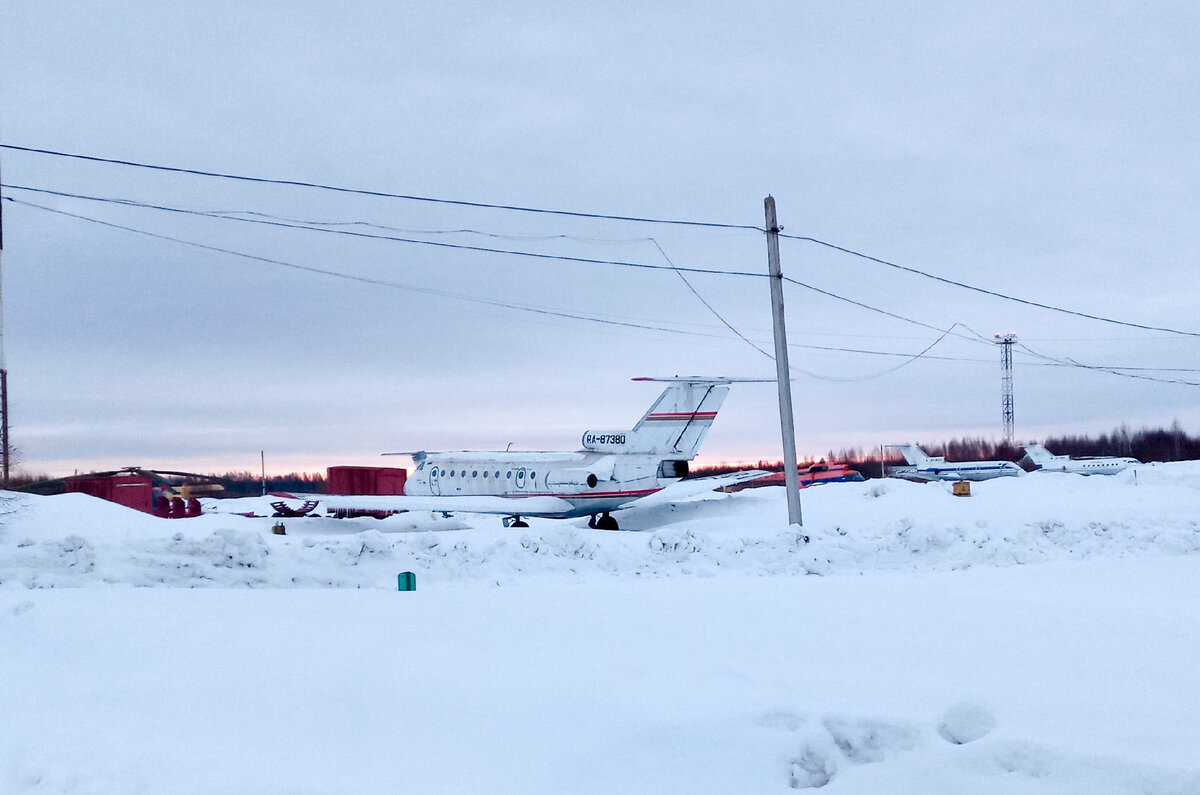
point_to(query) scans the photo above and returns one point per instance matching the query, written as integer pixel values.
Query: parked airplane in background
(926, 467)
(613, 470)
(1046, 461)
(807, 476)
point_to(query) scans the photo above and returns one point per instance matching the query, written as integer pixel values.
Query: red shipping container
(356, 481)
(93, 486)
(132, 491)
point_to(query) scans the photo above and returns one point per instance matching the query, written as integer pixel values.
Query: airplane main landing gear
(605, 522)
(514, 521)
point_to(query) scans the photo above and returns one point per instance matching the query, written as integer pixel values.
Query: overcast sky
(1046, 151)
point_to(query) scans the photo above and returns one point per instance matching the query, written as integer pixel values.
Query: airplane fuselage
(937, 469)
(1046, 461)
(1087, 466)
(972, 470)
(926, 467)
(591, 482)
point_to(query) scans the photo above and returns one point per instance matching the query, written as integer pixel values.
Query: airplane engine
(586, 477)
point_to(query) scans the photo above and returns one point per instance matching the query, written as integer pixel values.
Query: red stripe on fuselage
(581, 496)
(681, 416)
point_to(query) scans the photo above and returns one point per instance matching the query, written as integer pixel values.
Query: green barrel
(406, 581)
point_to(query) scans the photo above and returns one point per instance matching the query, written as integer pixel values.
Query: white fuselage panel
(591, 482)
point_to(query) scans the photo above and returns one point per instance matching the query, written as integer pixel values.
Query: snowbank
(691, 652)
(75, 540)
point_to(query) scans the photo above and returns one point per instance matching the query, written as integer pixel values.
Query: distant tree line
(1171, 444)
(1161, 444)
(19, 479)
(234, 484)
(247, 484)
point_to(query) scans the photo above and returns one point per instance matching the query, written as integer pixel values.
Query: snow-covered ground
(1039, 636)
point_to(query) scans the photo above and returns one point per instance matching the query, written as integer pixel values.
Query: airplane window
(433, 472)
(485, 474)
(451, 473)
(532, 475)
(497, 473)
(474, 473)
(508, 475)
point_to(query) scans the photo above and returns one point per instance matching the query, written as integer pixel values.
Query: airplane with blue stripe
(926, 467)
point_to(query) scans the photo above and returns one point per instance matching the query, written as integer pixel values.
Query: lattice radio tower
(1005, 341)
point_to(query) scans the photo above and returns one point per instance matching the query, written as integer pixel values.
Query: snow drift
(907, 647)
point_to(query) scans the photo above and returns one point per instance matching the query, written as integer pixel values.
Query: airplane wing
(504, 506)
(692, 490)
(697, 489)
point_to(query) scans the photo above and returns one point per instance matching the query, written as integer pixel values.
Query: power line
(302, 225)
(910, 358)
(670, 266)
(709, 306)
(451, 295)
(992, 293)
(253, 215)
(391, 238)
(363, 279)
(1106, 369)
(792, 368)
(678, 270)
(877, 310)
(642, 326)
(599, 216)
(377, 194)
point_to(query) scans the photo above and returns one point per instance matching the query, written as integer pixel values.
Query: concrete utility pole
(4, 457)
(783, 371)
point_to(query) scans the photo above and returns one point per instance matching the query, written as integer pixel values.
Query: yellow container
(962, 488)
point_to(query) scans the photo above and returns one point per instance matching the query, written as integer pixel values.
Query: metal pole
(4, 421)
(4, 457)
(783, 371)
(262, 454)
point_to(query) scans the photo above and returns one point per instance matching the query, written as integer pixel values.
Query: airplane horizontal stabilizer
(698, 489)
(718, 380)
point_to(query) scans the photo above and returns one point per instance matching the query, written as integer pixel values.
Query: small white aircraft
(1046, 461)
(613, 470)
(926, 467)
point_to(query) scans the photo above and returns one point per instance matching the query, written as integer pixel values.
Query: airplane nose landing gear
(605, 522)
(514, 521)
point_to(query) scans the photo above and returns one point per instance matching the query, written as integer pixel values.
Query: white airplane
(926, 467)
(1046, 461)
(614, 470)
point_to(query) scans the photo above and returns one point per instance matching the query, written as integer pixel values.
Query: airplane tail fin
(1039, 455)
(913, 454)
(674, 426)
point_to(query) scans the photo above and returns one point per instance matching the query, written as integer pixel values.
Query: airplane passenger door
(435, 481)
(520, 478)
